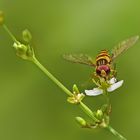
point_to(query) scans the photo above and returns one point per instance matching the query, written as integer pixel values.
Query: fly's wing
(123, 46)
(79, 58)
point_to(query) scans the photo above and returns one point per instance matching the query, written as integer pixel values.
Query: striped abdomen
(103, 58)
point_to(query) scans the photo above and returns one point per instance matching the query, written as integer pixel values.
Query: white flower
(113, 86)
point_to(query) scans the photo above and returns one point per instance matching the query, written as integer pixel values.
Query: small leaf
(75, 89)
(27, 37)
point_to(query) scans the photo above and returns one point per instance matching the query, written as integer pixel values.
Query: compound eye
(98, 71)
(107, 71)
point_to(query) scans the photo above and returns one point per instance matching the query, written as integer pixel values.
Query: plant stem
(115, 133)
(60, 85)
(57, 82)
(9, 33)
(88, 112)
(85, 108)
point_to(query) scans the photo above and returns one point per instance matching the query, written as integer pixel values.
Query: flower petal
(115, 86)
(94, 92)
(112, 80)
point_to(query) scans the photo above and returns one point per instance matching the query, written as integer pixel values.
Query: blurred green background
(31, 106)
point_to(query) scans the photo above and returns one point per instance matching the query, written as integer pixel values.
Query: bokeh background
(31, 106)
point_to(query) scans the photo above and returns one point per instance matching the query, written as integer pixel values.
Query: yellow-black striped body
(103, 58)
(103, 61)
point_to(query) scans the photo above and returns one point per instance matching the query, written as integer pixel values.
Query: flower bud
(75, 89)
(81, 121)
(23, 51)
(99, 114)
(20, 47)
(26, 36)
(76, 98)
(1, 18)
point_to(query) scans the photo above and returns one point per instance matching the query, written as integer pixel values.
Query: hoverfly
(103, 63)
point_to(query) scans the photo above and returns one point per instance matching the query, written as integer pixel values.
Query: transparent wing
(79, 58)
(123, 46)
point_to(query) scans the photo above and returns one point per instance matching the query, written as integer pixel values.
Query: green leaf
(27, 37)
(75, 89)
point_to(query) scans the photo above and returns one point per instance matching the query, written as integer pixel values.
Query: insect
(104, 61)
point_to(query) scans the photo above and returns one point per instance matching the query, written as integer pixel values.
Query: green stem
(88, 112)
(10, 34)
(115, 133)
(59, 84)
(68, 92)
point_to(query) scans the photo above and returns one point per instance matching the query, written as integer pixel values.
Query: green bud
(81, 121)
(23, 51)
(76, 98)
(81, 96)
(26, 36)
(72, 100)
(1, 18)
(75, 89)
(99, 114)
(20, 48)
